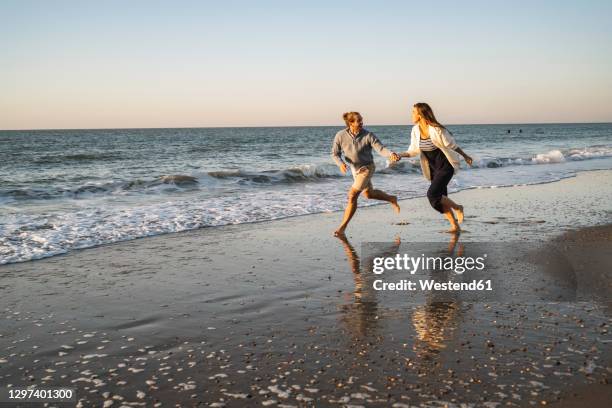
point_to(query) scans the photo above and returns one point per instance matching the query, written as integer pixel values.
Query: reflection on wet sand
(359, 314)
(435, 321)
(433, 324)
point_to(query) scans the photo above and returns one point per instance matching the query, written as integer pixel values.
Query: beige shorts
(363, 177)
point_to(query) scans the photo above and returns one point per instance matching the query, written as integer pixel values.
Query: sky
(130, 64)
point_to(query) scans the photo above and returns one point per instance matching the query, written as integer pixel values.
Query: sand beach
(282, 313)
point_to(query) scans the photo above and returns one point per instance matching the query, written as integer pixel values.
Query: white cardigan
(442, 139)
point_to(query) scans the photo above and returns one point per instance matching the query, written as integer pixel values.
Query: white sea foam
(554, 156)
(26, 236)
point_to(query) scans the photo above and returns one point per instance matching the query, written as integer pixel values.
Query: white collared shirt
(442, 139)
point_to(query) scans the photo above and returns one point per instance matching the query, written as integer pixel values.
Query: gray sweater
(357, 150)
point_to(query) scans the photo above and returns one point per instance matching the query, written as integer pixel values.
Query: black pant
(441, 174)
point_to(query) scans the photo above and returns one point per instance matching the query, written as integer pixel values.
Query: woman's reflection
(435, 321)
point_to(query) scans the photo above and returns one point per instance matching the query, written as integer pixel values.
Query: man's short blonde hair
(350, 117)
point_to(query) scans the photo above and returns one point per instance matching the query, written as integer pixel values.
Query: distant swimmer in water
(439, 155)
(356, 144)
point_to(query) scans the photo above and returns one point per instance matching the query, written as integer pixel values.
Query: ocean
(62, 190)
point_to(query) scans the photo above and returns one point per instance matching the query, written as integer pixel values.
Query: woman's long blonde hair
(426, 113)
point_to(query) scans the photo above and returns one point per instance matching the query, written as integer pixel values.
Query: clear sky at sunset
(110, 64)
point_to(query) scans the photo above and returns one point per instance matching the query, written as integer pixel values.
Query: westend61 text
(432, 285)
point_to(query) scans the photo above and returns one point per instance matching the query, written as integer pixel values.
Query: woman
(439, 160)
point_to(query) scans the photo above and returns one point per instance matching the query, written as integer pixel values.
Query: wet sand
(283, 314)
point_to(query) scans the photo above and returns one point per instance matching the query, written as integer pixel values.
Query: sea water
(66, 189)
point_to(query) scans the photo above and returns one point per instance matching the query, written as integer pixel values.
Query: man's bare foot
(454, 230)
(394, 204)
(459, 212)
(339, 232)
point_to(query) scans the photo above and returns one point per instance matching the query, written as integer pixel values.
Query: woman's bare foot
(394, 204)
(454, 225)
(450, 216)
(339, 232)
(459, 211)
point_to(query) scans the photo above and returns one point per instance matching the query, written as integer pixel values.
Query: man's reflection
(359, 313)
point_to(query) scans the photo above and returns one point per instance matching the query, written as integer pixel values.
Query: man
(356, 143)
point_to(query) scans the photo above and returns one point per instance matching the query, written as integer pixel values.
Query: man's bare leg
(381, 195)
(351, 207)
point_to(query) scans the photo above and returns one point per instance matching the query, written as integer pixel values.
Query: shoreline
(256, 222)
(282, 313)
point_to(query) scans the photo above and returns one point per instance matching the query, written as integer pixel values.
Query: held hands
(393, 158)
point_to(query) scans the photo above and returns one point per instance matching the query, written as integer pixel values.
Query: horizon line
(300, 126)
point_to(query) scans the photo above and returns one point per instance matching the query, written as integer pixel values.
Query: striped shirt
(426, 145)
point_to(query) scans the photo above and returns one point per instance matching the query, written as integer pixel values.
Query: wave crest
(307, 173)
(552, 156)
